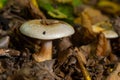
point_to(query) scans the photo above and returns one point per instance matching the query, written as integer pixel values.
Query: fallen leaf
(82, 36)
(109, 7)
(64, 44)
(95, 15)
(4, 42)
(37, 71)
(80, 55)
(9, 52)
(115, 75)
(103, 47)
(63, 56)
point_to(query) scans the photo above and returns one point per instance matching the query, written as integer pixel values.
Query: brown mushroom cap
(53, 29)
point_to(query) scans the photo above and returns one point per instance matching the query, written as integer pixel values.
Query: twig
(83, 69)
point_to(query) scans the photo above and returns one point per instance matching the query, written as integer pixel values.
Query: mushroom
(46, 30)
(106, 28)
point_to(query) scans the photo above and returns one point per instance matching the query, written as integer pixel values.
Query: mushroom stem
(45, 52)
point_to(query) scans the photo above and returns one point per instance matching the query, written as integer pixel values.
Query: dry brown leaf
(115, 75)
(4, 42)
(36, 71)
(83, 36)
(24, 9)
(86, 22)
(69, 75)
(1, 68)
(113, 57)
(85, 49)
(9, 52)
(81, 55)
(63, 56)
(103, 47)
(95, 15)
(64, 44)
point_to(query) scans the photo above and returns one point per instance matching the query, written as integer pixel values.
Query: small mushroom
(106, 28)
(46, 30)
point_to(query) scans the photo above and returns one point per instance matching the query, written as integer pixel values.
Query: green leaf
(67, 10)
(61, 11)
(76, 2)
(57, 14)
(45, 4)
(2, 3)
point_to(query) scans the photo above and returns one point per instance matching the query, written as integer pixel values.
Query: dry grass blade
(80, 62)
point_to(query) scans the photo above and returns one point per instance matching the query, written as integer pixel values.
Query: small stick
(83, 69)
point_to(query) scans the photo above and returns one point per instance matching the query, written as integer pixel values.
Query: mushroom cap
(110, 34)
(53, 29)
(107, 30)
